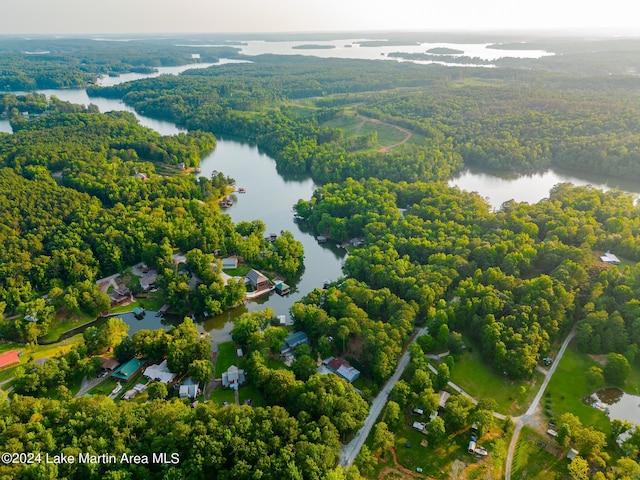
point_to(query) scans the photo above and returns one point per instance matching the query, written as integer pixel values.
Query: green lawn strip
(569, 385)
(240, 271)
(532, 461)
(478, 380)
(62, 325)
(226, 358)
(35, 352)
(347, 124)
(154, 301)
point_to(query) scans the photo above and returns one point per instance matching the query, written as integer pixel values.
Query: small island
(445, 51)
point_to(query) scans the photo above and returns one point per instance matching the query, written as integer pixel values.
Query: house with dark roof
(257, 280)
(292, 341)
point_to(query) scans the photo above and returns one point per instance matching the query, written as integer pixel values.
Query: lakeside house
(160, 373)
(257, 280)
(109, 363)
(189, 389)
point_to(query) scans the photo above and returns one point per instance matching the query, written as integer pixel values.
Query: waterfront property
(257, 280)
(160, 373)
(129, 370)
(282, 288)
(189, 389)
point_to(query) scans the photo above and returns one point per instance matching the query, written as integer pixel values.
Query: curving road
(523, 419)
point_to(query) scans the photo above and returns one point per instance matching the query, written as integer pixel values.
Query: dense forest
(85, 194)
(44, 62)
(504, 119)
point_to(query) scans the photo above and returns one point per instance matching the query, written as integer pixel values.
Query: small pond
(617, 403)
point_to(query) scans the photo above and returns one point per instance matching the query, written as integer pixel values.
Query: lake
(352, 48)
(270, 197)
(498, 188)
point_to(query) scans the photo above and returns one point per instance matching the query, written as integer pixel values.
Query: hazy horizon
(118, 17)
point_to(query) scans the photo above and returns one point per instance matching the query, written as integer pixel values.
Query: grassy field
(226, 358)
(569, 385)
(449, 460)
(387, 134)
(35, 352)
(479, 381)
(64, 324)
(532, 461)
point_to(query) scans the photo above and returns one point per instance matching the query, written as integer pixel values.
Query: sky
(217, 16)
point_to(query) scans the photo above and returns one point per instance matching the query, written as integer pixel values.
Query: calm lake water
(498, 188)
(270, 197)
(352, 48)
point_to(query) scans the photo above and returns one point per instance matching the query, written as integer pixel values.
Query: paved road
(351, 449)
(522, 420)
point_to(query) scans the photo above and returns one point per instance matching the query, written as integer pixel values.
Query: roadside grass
(569, 385)
(105, 387)
(367, 386)
(226, 357)
(35, 352)
(532, 461)
(479, 381)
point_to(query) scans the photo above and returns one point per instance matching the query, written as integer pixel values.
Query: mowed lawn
(226, 358)
(533, 459)
(569, 386)
(478, 380)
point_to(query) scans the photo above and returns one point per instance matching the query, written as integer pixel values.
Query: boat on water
(198, 170)
(242, 190)
(139, 312)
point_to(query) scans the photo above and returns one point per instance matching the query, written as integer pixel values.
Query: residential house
(160, 373)
(342, 368)
(257, 280)
(292, 341)
(9, 358)
(233, 377)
